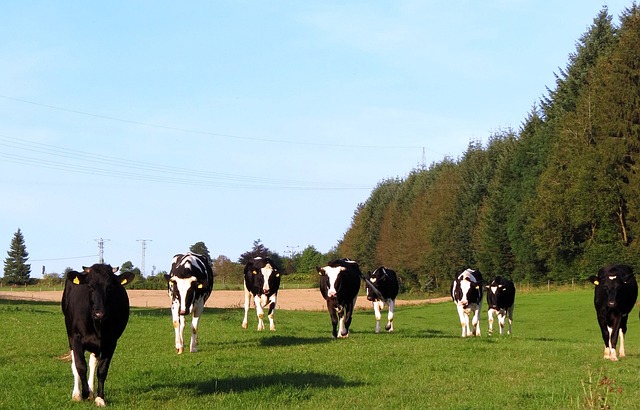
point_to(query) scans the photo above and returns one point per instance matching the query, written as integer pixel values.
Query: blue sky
(231, 121)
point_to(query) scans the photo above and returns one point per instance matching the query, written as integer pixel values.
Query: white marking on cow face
(182, 285)
(266, 274)
(332, 273)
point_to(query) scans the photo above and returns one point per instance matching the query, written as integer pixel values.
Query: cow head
(330, 278)
(267, 276)
(493, 290)
(467, 288)
(610, 281)
(183, 285)
(101, 281)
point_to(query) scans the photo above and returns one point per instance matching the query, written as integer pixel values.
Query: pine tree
(16, 270)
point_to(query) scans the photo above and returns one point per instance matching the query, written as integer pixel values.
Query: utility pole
(291, 250)
(144, 247)
(101, 249)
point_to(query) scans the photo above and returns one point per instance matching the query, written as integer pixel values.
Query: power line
(103, 165)
(63, 259)
(213, 134)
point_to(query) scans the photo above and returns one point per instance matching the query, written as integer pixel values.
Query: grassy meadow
(553, 361)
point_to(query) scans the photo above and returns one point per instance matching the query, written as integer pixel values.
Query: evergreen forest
(551, 202)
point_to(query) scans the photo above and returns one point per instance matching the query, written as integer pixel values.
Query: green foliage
(554, 201)
(16, 269)
(201, 249)
(549, 362)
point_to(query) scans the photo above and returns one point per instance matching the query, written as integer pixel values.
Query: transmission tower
(144, 247)
(101, 249)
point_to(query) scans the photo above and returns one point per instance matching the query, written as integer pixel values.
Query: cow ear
(167, 277)
(594, 280)
(117, 268)
(76, 277)
(126, 278)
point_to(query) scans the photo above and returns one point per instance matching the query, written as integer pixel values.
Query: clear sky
(231, 121)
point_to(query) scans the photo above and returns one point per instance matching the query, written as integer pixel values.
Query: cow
(466, 292)
(382, 288)
(96, 311)
(261, 283)
(616, 291)
(190, 283)
(339, 286)
(501, 294)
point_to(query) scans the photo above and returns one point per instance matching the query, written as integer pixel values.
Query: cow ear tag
(255, 272)
(76, 280)
(200, 286)
(123, 282)
(596, 282)
(277, 275)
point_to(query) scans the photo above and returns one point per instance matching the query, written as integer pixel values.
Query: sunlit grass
(553, 360)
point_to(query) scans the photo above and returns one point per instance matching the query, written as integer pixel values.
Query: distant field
(553, 361)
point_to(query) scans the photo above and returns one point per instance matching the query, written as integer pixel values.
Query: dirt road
(288, 299)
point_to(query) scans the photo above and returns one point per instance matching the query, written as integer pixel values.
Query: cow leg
(93, 363)
(79, 370)
(103, 370)
(613, 339)
(476, 320)
(259, 312)
(464, 321)
(490, 314)
(197, 311)
(178, 326)
(247, 297)
(272, 308)
(333, 313)
(376, 312)
(502, 316)
(510, 316)
(392, 308)
(621, 333)
(347, 316)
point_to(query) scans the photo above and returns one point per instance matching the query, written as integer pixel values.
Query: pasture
(553, 360)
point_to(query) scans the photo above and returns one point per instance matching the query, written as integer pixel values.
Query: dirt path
(288, 299)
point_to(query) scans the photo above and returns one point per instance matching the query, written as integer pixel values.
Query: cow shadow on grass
(296, 380)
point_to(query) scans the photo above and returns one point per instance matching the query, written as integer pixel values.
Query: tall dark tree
(16, 269)
(201, 249)
(258, 250)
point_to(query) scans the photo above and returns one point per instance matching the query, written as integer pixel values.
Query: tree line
(553, 201)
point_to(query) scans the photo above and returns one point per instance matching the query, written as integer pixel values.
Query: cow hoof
(76, 397)
(388, 328)
(244, 325)
(100, 402)
(179, 350)
(272, 328)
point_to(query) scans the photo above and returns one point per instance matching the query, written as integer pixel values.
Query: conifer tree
(16, 270)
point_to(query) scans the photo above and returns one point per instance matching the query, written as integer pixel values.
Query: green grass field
(553, 361)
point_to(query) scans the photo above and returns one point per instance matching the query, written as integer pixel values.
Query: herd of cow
(96, 306)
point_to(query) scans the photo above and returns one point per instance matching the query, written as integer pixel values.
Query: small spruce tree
(16, 270)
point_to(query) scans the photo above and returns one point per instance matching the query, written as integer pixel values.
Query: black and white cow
(339, 286)
(466, 291)
(261, 282)
(382, 288)
(190, 283)
(96, 312)
(501, 293)
(616, 292)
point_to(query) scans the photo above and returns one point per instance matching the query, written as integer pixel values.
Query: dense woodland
(553, 201)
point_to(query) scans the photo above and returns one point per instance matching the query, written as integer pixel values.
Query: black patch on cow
(504, 296)
(386, 283)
